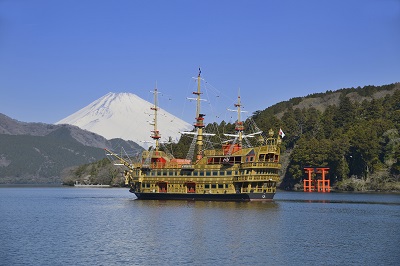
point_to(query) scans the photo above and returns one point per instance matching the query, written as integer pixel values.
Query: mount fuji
(126, 116)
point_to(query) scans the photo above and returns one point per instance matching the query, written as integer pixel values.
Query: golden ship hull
(250, 174)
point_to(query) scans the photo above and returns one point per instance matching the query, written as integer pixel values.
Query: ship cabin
(231, 169)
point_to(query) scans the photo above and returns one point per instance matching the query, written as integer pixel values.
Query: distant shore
(31, 185)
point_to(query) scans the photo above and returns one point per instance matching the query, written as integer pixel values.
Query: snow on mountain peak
(127, 116)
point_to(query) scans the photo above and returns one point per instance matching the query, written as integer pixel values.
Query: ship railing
(187, 167)
(261, 165)
(267, 177)
(208, 166)
(213, 153)
(162, 165)
(269, 149)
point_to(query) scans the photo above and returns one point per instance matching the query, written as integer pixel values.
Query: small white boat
(78, 184)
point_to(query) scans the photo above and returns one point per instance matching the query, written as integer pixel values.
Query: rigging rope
(190, 153)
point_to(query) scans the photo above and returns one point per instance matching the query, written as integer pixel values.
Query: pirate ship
(237, 171)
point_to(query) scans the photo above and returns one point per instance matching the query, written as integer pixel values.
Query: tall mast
(155, 133)
(239, 124)
(199, 125)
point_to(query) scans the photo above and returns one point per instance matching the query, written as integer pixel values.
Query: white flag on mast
(281, 133)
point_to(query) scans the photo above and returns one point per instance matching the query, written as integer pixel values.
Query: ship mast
(239, 124)
(239, 127)
(199, 125)
(155, 133)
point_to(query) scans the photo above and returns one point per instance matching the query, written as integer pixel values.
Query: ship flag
(281, 133)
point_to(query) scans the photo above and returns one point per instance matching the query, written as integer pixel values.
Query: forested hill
(37, 153)
(321, 101)
(353, 131)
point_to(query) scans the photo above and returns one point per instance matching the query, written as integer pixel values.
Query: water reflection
(204, 204)
(299, 197)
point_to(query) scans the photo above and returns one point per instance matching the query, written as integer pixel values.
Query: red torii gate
(323, 185)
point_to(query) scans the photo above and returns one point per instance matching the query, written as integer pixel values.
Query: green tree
(312, 122)
(290, 127)
(364, 148)
(346, 112)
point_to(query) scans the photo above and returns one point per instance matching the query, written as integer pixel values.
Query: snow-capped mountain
(126, 116)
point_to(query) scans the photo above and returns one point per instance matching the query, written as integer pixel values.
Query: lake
(90, 226)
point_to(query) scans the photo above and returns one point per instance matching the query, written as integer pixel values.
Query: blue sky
(56, 57)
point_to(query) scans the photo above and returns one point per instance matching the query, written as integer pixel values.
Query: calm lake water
(78, 226)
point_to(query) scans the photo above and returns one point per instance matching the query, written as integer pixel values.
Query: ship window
(214, 173)
(195, 173)
(164, 172)
(187, 173)
(213, 186)
(171, 172)
(158, 172)
(220, 185)
(207, 186)
(228, 172)
(208, 173)
(201, 173)
(221, 172)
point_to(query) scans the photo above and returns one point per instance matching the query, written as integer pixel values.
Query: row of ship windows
(209, 173)
(206, 186)
(193, 173)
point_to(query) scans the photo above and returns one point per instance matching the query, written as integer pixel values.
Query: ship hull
(206, 197)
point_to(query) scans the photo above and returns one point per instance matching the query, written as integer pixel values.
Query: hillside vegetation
(36, 153)
(356, 136)
(28, 159)
(354, 132)
(99, 172)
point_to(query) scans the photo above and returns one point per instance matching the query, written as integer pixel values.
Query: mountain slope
(36, 153)
(126, 116)
(321, 101)
(11, 126)
(40, 159)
